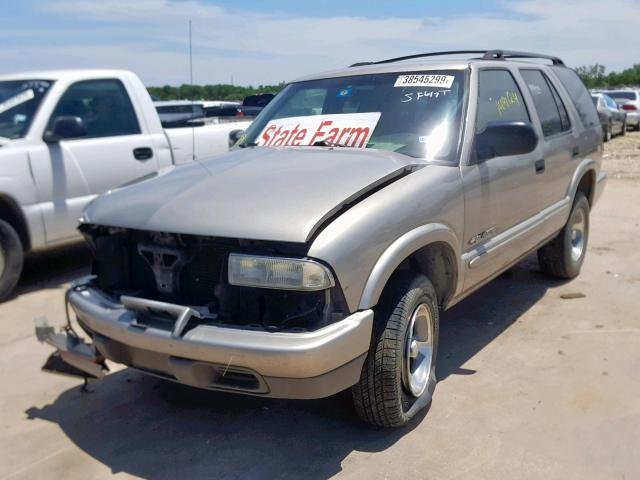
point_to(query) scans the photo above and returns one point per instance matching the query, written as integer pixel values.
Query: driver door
(500, 192)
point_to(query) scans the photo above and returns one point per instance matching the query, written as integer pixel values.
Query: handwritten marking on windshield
(409, 96)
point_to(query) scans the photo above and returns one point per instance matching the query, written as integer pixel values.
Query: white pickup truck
(67, 136)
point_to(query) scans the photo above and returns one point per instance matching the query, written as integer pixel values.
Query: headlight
(278, 273)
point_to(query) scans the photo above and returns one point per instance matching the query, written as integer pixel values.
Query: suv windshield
(413, 113)
(19, 102)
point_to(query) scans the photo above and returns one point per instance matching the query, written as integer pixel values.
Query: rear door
(116, 150)
(559, 147)
(501, 192)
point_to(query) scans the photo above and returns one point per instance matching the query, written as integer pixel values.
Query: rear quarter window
(579, 95)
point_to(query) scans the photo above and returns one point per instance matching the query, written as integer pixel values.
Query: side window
(545, 103)
(610, 102)
(499, 99)
(579, 96)
(103, 105)
(564, 116)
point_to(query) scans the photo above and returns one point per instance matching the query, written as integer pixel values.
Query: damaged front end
(166, 304)
(72, 356)
(192, 271)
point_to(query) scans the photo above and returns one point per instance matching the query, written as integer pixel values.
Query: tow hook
(73, 356)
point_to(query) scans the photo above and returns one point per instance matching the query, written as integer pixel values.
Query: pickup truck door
(501, 193)
(115, 150)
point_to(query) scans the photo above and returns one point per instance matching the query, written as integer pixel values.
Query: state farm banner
(346, 129)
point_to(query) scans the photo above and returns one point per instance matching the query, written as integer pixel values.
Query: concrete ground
(531, 385)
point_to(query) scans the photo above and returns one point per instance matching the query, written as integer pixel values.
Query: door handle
(142, 153)
(540, 166)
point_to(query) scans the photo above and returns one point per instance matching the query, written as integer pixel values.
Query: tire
(607, 133)
(10, 259)
(388, 395)
(637, 127)
(563, 256)
(624, 129)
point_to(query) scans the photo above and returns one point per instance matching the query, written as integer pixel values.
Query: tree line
(210, 92)
(595, 76)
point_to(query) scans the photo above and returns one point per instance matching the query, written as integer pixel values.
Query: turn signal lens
(278, 273)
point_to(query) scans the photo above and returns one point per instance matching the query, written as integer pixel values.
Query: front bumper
(283, 365)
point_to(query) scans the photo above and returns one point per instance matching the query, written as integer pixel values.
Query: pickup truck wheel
(398, 377)
(10, 259)
(563, 256)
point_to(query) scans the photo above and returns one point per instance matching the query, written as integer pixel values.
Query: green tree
(594, 76)
(210, 92)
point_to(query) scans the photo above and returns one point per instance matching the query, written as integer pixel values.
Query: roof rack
(486, 55)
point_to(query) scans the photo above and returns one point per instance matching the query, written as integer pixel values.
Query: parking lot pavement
(531, 386)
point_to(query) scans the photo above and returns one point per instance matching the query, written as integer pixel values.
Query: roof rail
(486, 55)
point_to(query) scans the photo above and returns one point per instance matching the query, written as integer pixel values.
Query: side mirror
(65, 127)
(234, 136)
(501, 139)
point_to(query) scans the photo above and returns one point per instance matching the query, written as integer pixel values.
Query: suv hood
(281, 194)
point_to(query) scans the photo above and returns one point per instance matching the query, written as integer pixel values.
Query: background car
(177, 111)
(612, 117)
(629, 101)
(252, 105)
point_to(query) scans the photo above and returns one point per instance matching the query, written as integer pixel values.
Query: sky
(266, 42)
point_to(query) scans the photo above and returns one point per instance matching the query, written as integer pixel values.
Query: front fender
(401, 249)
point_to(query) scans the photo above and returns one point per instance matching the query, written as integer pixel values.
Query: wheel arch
(11, 213)
(584, 180)
(429, 249)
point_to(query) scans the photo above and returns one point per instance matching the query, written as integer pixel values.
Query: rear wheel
(10, 259)
(398, 377)
(563, 256)
(624, 128)
(607, 134)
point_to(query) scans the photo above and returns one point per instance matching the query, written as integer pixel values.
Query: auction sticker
(444, 81)
(346, 129)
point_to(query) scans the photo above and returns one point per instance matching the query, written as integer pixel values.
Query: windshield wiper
(325, 143)
(245, 145)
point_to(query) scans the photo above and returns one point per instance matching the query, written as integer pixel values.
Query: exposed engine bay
(192, 271)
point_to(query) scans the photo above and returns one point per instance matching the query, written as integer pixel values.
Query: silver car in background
(612, 117)
(629, 101)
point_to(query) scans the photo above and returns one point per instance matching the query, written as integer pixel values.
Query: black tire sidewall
(12, 250)
(411, 291)
(408, 400)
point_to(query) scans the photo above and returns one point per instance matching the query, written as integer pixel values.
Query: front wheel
(10, 259)
(398, 377)
(624, 128)
(563, 256)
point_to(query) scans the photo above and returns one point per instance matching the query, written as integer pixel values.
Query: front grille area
(192, 270)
